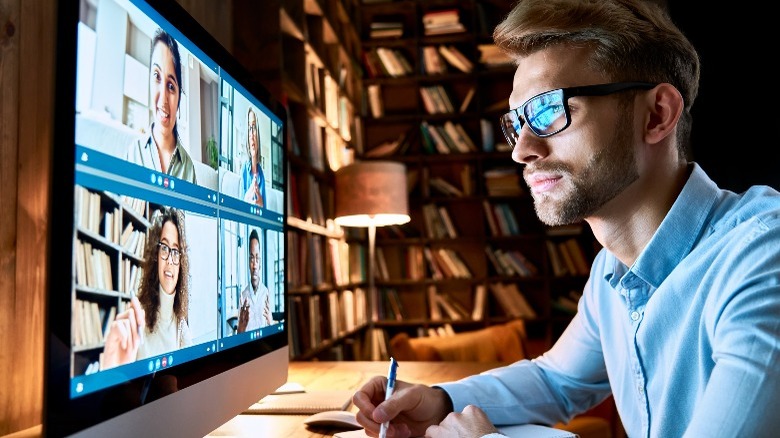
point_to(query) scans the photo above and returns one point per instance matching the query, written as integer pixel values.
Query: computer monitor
(166, 284)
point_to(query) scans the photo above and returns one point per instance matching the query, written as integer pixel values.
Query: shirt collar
(175, 156)
(674, 239)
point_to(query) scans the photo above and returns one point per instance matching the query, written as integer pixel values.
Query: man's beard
(607, 173)
(255, 283)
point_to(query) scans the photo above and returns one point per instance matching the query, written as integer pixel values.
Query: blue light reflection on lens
(543, 111)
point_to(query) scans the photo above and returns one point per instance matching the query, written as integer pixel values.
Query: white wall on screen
(111, 29)
(202, 237)
(86, 59)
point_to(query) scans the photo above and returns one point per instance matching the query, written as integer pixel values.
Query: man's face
(254, 263)
(576, 172)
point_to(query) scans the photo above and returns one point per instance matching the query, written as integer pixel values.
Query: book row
(322, 261)
(421, 262)
(444, 306)
(317, 318)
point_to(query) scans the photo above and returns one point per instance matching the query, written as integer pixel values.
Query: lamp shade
(371, 193)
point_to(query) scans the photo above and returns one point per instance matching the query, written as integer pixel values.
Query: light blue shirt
(687, 339)
(248, 178)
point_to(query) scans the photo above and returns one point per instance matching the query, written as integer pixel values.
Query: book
(433, 304)
(480, 303)
(375, 101)
(464, 105)
(452, 232)
(449, 310)
(456, 58)
(303, 403)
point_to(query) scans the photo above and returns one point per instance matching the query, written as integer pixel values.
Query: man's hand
(243, 316)
(472, 422)
(410, 410)
(124, 336)
(267, 315)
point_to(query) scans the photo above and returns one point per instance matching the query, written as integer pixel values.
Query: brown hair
(631, 40)
(248, 133)
(149, 289)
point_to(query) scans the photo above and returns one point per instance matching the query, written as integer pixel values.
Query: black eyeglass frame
(566, 93)
(171, 251)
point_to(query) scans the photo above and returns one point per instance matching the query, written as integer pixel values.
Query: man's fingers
(371, 426)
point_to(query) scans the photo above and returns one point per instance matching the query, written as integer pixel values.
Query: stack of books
(386, 29)
(442, 22)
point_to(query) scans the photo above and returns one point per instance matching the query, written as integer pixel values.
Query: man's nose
(529, 147)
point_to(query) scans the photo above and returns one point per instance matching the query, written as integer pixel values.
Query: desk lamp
(371, 194)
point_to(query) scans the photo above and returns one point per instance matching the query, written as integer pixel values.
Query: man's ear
(664, 106)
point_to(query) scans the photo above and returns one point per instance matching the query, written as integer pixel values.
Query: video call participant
(255, 311)
(158, 312)
(162, 150)
(252, 177)
(679, 318)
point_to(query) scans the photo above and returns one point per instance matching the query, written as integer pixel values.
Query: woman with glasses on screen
(156, 319)
(162, 150)
(252, 178)
(679, 318)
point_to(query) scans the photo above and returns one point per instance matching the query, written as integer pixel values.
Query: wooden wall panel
(27, 45)
(9, 100)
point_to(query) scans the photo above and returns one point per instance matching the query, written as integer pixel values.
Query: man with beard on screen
(255, 311)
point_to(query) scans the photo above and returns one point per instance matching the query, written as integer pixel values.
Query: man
(679, 318)
(255, 311)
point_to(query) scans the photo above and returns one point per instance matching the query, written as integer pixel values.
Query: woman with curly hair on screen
(155, 321)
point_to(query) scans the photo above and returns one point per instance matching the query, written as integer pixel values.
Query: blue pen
(388, 393)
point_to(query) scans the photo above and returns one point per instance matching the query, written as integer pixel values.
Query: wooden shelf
(406, 111)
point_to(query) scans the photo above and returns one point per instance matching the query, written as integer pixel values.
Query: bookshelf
(111, 235)
(307, 52)
(475, 253)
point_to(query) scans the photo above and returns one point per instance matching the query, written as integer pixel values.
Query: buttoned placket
(635, 291)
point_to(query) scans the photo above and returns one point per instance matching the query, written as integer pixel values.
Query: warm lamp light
(371, 194)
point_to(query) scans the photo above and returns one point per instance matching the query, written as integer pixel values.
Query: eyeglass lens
(545, 115)
(166, 251)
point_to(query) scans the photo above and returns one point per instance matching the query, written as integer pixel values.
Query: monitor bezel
(63, 415)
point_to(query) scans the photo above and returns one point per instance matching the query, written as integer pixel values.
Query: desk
(341, 375)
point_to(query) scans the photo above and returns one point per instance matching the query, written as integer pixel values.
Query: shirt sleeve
(742, 396)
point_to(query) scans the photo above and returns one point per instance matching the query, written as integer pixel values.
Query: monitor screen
(166, 288)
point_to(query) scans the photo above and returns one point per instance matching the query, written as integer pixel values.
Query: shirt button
(640, 389)
(635, 315)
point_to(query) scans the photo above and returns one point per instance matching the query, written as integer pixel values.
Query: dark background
(735, 117)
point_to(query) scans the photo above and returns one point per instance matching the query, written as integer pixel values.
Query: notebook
(518, 431)
(303, 403)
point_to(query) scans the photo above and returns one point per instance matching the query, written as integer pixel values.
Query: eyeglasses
(548, 113)
(254, 258)
(166, 251)
(252, 128)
